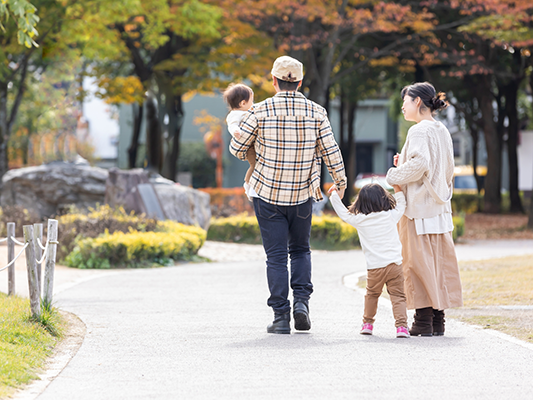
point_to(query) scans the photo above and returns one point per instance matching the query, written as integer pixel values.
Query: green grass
(489, 284)
(24, 344)
(501, 281)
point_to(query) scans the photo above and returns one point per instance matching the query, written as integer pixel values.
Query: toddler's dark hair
(235, 93)
(372, 198)
(427, 93)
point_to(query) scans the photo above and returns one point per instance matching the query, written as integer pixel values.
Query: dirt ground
(516, 321)
(500, 226)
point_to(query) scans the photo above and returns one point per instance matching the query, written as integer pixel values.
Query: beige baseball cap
(288, 69)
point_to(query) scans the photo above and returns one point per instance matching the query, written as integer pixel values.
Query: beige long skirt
(430, 268)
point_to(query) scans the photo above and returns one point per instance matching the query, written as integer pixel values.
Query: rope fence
(15, 259)
(36, 255)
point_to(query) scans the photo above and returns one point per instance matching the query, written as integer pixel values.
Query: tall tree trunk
(492, 199)
(4, 128)
(154, 145)
(474, 133)
(511, 97)
(530, 220)
(134, 145)
(342, 126)
(174, 109)
(351, 162)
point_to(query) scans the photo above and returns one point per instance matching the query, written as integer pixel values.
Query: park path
(197, 331)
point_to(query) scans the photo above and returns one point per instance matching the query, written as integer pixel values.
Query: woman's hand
(395, 159)
(396, 188)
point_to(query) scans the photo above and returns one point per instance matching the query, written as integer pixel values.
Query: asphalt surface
(198, 331)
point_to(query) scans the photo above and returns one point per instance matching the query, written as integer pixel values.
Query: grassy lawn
(498, 295)
(24, 344)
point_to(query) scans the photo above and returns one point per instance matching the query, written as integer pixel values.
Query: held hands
(333, 188)
(237, 134)
(395, 159)
(396, 188)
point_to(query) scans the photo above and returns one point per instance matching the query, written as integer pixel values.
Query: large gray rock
(48, 188)
(179, 203)
(184, 204)
(121, 189)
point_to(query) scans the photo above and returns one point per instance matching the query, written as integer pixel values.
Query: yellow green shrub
(459, 227)
(237, 229)
(170, 242)
(78, 225)
(328, 232)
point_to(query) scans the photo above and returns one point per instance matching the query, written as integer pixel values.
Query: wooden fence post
(33, 282)
(38, 234)
(10, 257)
(50, 263)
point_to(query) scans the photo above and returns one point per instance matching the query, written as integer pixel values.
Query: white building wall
(103, 126)
(525, 161)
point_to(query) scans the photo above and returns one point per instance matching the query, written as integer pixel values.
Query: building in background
(98, 126)
(375, 132)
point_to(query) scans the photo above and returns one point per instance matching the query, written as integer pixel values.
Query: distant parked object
(464, 180)
(366, 178)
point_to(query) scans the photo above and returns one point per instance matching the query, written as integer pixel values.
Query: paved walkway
(197, 331)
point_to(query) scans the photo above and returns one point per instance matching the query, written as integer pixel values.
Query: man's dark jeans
(286, 230)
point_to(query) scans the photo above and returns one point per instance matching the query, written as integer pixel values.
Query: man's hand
(333, 188)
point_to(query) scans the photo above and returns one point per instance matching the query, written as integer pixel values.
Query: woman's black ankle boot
(423, 324)
(438, 322)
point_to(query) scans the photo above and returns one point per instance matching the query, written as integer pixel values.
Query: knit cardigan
(428, 151)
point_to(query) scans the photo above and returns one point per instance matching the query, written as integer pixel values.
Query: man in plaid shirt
(290, 134)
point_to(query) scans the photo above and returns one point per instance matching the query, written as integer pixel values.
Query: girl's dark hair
(372, 198)
(430, 98)
(235, 93)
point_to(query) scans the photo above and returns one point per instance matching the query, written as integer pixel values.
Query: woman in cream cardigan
(424, 170)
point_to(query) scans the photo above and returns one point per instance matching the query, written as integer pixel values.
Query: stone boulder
(179, 203)
(184, 204)
(121, 189)
(49, 188)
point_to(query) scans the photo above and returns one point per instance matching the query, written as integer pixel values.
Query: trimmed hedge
(171, 242)
(327, 232)
(459, 227)
(77, 225)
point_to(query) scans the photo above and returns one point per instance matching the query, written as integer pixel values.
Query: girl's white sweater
(377, 231)
(428, 151)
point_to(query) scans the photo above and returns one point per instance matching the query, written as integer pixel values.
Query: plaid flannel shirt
(290, 134)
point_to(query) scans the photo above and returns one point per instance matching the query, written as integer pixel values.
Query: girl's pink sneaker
(402, 332)
(366, 329)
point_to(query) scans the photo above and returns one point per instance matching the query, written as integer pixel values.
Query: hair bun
(439, 102)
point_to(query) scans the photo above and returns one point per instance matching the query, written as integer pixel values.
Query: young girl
(240, 99)
(375, 214)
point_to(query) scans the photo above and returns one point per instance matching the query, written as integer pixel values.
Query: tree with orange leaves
(322, 34)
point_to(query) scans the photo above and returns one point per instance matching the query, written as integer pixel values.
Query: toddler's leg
(250, 156)
(397, 295)
(375, 279)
